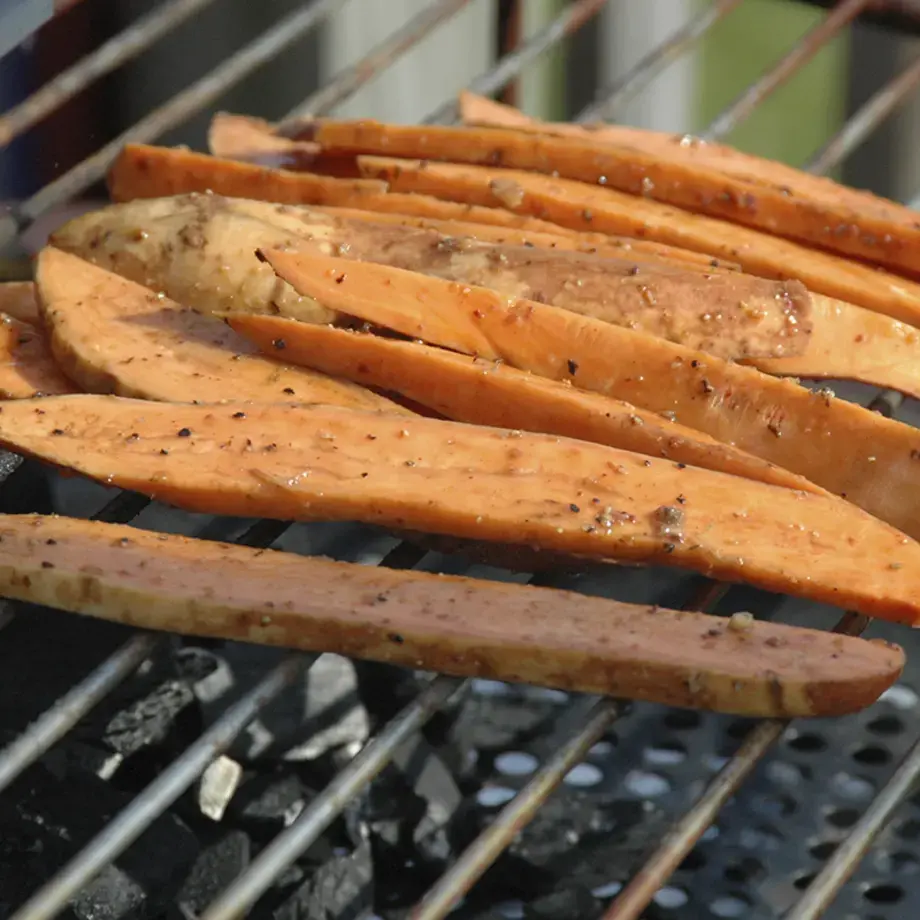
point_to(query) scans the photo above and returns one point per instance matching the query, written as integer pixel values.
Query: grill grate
(771, 820)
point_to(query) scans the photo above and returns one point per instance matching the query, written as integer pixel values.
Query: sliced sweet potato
(871, 460)
(27, 367)
(468, 389)
(17, 299)
(880, 231)
(580, 206)
(443, 623)
(112, 335)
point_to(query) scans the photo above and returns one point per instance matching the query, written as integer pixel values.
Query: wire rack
(707, 789)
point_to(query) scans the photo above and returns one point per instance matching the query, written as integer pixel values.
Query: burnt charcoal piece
(266, 803)
(504, 721)
(219, 863)
(340, 889)
(148, 721)
(567, 904)
(45, 819)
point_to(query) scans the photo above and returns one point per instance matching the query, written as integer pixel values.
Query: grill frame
(124, 508)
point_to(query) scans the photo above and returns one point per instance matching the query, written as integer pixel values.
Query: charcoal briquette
(219, 863)
(266, 803)
(566, 904)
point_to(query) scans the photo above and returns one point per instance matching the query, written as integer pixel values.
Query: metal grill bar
(645, 71)
(182, 106)
(107, 57)
(519, 812)
(568, 22)
(806, 48)
(130, 823)
(325, 808)
(349, 81)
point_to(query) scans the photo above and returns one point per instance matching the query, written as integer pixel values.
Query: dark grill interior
(150, 776)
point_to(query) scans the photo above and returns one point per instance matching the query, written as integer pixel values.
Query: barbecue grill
(147, 776)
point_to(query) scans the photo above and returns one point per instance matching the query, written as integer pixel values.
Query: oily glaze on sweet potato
(442, 623)
(580, 206)
(880, 231)
(870, 460)
(468, 389)
(27, 367)
(322, 463)
(17, 299)
(112, 335)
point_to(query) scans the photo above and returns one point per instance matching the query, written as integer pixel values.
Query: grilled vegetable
(580, 206)
(27, 367)
(17, 299)
(471, 390)
(872, 461)
(114, 336)
(878, 230)
(446, 623)
(566, 496)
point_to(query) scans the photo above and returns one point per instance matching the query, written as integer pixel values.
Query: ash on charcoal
(340, 889)
(46, 819)
(219, 863)
(321, 713)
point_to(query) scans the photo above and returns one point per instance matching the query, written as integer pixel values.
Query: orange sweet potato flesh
(27, 367)
(329, 463)
(468, 389)
(450, 624)
(17, 299)
(142, 171)
(872, 461)
(880, 231)
(112, 335)
(579, 206)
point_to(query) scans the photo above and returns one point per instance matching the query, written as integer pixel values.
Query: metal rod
(116, 51)
(242, 894)
(53, 724)
(130, 823)
(803, 51)
(350, 80)
(182, 106)
(644, 71)
(517, 814)
(841, 865)
(860, 125)
(568, 22)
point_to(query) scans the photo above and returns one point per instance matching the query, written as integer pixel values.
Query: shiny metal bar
(568, 22)
(130, 823)
(107, 57)
(182, 106)
(644, 72)
(236, 901)
(350, 80)
(488, 846)
(841, 865)
(803, 51)
(860, 125)
(53, 724)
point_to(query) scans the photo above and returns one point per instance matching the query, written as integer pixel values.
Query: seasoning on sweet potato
(468, 389)
(580, 207)
(329, 463)
(451, 624)
(880, 231)
(871, 460)
(27, 367)
(112, 335)
(17, 299)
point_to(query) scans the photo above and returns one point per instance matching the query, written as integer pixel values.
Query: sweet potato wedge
(328, 463)
(468, 389)
(450, 624)
(27, 367)
(580, 206)
(17, 299)
(112, 335)
(879, 231)
(872, 461)
(141, 171)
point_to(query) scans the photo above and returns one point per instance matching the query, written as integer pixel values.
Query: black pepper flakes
(706, 386)
(184, 432)
(47, 565)
(395, 637)
(280, 344)
(239, 415)
(289, 391)
(681, 499)
(694, 363)
(574, 508)
(51, 542)
(573, 366)
(57, 431)
(164, 451)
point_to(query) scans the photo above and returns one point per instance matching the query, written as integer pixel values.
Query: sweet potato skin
(17, 299)
(451, 624)
(468, 389)
(870, 460)
(309, 463)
